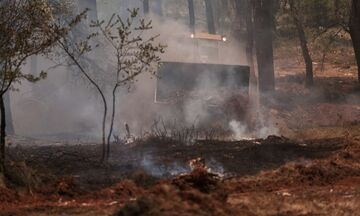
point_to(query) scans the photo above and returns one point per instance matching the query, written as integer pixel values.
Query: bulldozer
(179, 79)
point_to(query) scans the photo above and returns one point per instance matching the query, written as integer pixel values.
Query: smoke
(238, 129)
(175, 168)
(162, 170)
(60, 105)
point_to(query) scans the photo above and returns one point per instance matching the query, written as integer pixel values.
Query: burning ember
(197, 163)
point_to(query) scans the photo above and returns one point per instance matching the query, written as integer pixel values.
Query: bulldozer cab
(202, 59)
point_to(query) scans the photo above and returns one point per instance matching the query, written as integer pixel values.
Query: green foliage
(315, 15)
(26, 31)
(133, 53)
(325, 23)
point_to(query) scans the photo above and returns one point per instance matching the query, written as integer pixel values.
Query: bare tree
(295, 14)
(133, 54)
(75, 52)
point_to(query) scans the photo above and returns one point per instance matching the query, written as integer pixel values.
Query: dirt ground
(312, 169)
(275, 176)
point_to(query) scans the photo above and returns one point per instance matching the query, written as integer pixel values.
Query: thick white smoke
(64, 105)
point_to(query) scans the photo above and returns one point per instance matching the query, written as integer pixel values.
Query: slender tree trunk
(111, 123)
(77, 63)
(250, 40)
(9, 120)
(309, 81)
(220, 9)
(2, 134)
(355, 31)
(191, 15)
(306, 55)
(104, 130)
(210, 17)
(245, 10)
(263, 20)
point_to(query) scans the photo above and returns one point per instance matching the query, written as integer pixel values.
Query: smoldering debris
(163, 170)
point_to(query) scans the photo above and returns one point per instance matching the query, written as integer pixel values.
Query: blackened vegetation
(166, 158)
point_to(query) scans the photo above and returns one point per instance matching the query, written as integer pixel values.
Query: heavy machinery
(204, 60)
(218, 89)
(196, 84)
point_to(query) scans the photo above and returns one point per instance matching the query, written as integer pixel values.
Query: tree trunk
(250, 40)
(355, 31)
(2, 134)
(210, 17)
(263, 43)
(245, 14)
(8, 115)
(245, 11)
(111, 123)
(103, 98)
(309, 81)
(103, 129)
(306, 55)
(191, 15)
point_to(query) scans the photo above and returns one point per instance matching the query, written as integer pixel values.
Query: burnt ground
(315, 171)
(165, 158)
(273, 176)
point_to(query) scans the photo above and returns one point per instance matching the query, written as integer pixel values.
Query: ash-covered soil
(274, 176)
(166, 158)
